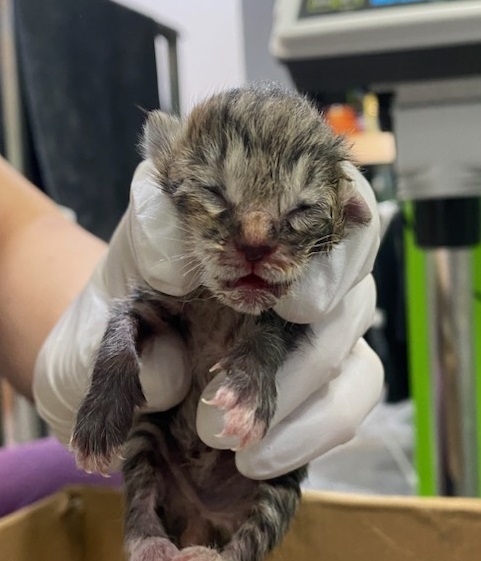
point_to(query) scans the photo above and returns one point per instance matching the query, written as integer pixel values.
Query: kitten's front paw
(240, 417)
(248, 404)
(98, 438)
(92, 462)
(198, 553)
(151, 549)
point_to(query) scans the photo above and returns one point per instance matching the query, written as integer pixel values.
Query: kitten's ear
(160, 132)
(354, 208)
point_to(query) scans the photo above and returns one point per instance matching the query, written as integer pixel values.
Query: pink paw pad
(239, 419)
(240, 422)
(151, 549)
(198, 553)
(224, 398)
(92, 463)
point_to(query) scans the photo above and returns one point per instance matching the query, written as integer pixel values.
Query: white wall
(211, 48)
(257, 22)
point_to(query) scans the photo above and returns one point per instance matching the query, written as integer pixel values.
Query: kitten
(256, 177)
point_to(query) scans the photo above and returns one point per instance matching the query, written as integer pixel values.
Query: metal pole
(9, 83)
(174, 75)
(171, 36)
(454, 381)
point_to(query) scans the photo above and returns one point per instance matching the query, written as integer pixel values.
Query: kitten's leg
(274, 507)
(145, 488)
(107, 411)
(273, 510)
(249, 393)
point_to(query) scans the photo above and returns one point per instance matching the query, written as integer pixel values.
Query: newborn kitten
(255, 175)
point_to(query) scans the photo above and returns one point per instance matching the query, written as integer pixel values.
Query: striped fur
(255, 175)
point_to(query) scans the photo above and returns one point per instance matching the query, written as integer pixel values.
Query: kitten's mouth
(253, 282)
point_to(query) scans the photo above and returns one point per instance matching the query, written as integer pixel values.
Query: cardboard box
(85, 524)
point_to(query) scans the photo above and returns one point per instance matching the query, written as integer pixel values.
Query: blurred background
(400, 78)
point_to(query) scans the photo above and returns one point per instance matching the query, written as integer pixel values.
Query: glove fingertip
(164, 374)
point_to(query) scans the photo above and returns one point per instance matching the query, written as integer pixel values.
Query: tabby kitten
(256, 177)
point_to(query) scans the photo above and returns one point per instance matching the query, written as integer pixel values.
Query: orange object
(343, 119)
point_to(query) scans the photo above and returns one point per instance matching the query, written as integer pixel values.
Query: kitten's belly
(207, 483)
(220, 489)
(206, 495)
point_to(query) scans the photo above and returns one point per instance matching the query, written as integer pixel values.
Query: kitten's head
(257, 179)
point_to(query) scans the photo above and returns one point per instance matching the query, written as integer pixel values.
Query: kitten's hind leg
(269, 519)
(145, 488)
(273, 508)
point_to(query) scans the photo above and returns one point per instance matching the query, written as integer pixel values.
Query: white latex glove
(326, 387)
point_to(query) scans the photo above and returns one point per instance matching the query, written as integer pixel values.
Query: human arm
(45, 261)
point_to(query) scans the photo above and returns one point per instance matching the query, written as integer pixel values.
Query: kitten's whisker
(171, 214)
(175, 219)
(327, 238)
(195, 268)
(176, 257)
(174, 214)
(173, 259)
(323, 244)
(195, 273)
(169, 239)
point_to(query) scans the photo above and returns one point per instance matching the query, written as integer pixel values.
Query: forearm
(45, 260)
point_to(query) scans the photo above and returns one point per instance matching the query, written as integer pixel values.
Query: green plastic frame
(419, 359)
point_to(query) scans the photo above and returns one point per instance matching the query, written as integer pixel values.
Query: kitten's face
(258, 184)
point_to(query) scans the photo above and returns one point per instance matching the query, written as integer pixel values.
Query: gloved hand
(326, 387)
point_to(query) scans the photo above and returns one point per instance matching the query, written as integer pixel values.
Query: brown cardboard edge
(49, 530)
(61, 502)
(345, 500)
(334, 526)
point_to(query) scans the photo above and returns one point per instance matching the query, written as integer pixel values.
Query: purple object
(32, 471)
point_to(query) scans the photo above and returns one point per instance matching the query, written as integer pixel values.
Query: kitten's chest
(213, 330)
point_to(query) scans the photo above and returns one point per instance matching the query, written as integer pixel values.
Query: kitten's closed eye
(215, 195)
(300, 209)
(307, 217)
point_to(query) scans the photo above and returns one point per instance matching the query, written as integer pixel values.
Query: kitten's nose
(255, 253)
(255, 238)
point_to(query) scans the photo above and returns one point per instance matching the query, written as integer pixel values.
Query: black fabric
(391, 342)
(88, 73)
(447, 222)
